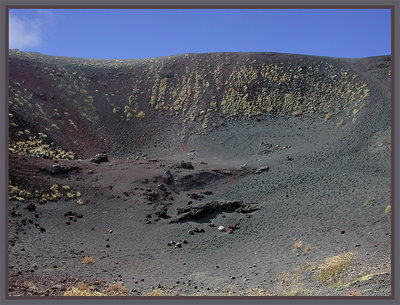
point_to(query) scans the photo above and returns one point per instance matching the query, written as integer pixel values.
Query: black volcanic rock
(99, 158)
(167, 177)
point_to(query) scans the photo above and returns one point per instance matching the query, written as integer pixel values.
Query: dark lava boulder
(167, 177)
(187, 165)
(99, 158)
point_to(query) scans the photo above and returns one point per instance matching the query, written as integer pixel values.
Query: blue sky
(145, 33)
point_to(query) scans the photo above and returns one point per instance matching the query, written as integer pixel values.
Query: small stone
(342, 232)
(178, 245)
(230, 231)
(184, 241)
(221, 228)
(191, 232)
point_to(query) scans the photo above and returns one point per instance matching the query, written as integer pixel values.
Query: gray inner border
(197, 4)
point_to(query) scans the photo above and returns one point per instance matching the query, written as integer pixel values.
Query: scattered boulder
(187, 165)
(57, 169)
(261, 169)
(31, 207)
(167, 177)
(41, 96)
(99, 158)
(200, 211)
(152, 196)
(57, 116)
(196, 196)
(221, 228)
(162, 187)
(162, 212)
(197, 230)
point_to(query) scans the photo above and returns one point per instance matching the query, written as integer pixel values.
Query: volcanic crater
(211, 174)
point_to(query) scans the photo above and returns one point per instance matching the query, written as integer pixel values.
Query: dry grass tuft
(252, 292)
(82, 286)
(258, 292)
(116, 289)
(340, 123)
(308, 248)
(29, 285)
(334, 265)
(156, 293)
(88, 260)
(368, 200)
(298, 245)
(290, 283)
(82, 289)
(161, 293)
(388, 209)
